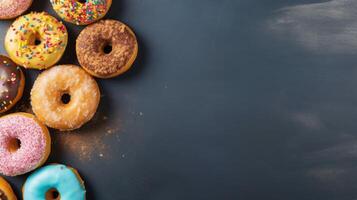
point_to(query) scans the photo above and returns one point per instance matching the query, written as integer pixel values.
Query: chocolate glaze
(3, 195)
(10, 82)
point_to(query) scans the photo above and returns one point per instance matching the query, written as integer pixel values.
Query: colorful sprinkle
(81, 13)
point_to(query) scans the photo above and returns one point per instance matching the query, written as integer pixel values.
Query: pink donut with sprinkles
(10, 9)
(25, 144)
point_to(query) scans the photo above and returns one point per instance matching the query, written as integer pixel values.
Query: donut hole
(65, 98)
(37, 42)
(107, 48)
(53, 194)
(14, 145)
(35, 39)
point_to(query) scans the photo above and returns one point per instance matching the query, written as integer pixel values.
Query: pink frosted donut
(12, 8)
(25, 144)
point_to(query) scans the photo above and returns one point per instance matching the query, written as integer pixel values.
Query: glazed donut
(54, 181)
(12, 83)
(75, 12)
(36, 40)
(65, 97)
(6, 192)
(12, 8)
(25, 144)
(107, 48)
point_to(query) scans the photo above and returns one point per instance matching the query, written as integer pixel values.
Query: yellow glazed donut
(65, 97)
(81, 12)
(6, 192)
(36, 40)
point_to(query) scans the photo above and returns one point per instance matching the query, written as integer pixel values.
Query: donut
(6, 192)
(54, 181)
(12, 83)
(65, 97)
(10, 9)
(25, 144)
(36, 40)
(81, 12)
(107, 48)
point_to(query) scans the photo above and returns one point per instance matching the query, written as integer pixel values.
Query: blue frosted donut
(54, 182)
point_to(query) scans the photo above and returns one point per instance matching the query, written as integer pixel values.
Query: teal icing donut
(53, 182)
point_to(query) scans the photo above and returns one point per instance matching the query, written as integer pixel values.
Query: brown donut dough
(91, 44)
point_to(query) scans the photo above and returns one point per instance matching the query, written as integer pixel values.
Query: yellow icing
(20, 40)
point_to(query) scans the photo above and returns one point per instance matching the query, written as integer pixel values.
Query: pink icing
(13, 8)
(33, 145)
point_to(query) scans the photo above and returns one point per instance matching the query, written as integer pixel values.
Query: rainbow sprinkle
(80, 13)
(51, 33)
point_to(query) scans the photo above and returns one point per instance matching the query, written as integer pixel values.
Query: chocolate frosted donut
(12, 82)
(107, 48)
(12, 8)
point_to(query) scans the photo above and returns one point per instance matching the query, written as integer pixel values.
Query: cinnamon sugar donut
(65, 97)
(107, 48)
(12, 8)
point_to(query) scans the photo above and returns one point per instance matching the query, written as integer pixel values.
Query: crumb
(82, 145)
(88, 142)
(110, 131)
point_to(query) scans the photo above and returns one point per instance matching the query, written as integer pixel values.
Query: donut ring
(79, 13)
(25, 144)
(10, 9)
(6, 192)
(36, 40)
(12, 83)
(91, 48)
(54, 181)
(65, 97)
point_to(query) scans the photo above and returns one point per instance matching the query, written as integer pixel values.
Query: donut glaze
(33, 149)
(79, 13)
(12, 8)
(36, 40)
(6, 192)
(91, 43)
(57, 177)
(65, 80)
(12, 82)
